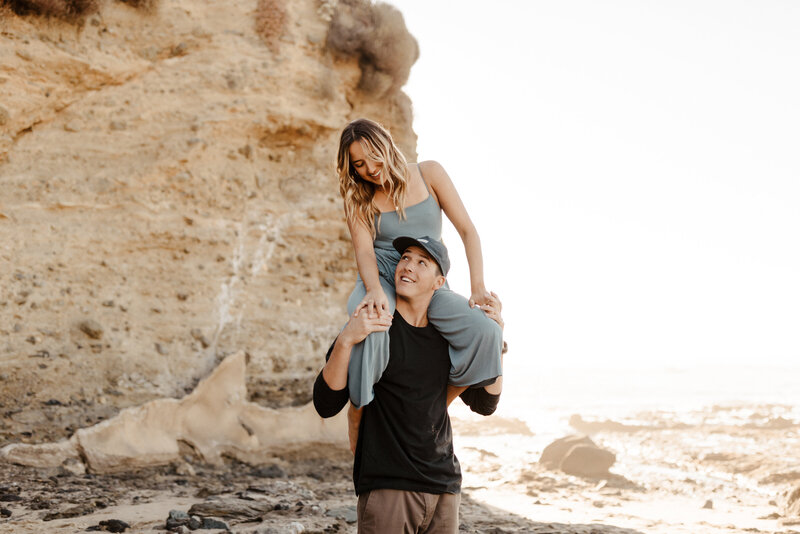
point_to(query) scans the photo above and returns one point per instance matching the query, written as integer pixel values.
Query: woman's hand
(375, 303)
(493, 309)
(480, 297)
(361, 325)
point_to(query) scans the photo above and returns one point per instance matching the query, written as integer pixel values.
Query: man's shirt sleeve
(328, 402)
(480, 401)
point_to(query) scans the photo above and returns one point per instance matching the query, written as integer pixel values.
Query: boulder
(579, 456)
(556, 451)
(587, 461)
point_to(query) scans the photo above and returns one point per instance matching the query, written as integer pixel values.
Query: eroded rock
(216, 420)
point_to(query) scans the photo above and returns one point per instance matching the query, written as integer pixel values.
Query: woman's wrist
(479, 287)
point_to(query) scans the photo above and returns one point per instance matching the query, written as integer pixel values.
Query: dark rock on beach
(111, 525)
(587, 461)
(579, 456)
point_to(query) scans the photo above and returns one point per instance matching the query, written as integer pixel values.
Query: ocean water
(538, 396)
(680, 435)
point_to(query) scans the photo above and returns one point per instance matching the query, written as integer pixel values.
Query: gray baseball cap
(432, 246)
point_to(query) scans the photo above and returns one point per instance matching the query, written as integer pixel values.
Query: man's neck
(414, 311)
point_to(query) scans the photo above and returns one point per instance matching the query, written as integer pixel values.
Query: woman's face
(368, 169)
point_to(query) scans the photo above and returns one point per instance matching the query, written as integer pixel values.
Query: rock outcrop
(212, 422)
(168, 197)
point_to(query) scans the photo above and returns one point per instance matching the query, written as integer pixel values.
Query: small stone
(177, 519)
(118, 125)
(108, 303)
(328, 282)
(347, 513)
(182, 296)
(91, 328)
(195, 522)
(4, 115)
(5, 512)
(185, 470)
(31, 340)
(9, 497)
(74, 511)
(24, 55)
(73, 466)
(161, 350)
(269, 471)
(178, 515)
(209, 522)
(708, 505)
(17, 328)
(115, 525)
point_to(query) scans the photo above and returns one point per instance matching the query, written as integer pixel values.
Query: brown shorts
(388, 510)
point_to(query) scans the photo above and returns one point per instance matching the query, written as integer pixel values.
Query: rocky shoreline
(309, 491)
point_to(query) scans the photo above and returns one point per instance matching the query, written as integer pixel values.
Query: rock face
(168, 197)
(579, 456)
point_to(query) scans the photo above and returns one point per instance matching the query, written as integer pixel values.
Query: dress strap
(423, 180)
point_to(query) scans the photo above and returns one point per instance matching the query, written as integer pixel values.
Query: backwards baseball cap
(432, 246)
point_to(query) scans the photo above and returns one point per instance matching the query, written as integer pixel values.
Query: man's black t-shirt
(405, 441)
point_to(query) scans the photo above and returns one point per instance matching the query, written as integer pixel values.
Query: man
(406, 475)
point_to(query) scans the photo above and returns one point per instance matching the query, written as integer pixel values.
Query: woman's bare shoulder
(432, 170)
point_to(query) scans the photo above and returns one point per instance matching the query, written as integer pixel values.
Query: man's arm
(330, 388)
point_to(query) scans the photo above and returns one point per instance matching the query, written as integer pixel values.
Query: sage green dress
(476, 341)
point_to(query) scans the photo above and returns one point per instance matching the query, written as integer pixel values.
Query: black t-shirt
(405, 441)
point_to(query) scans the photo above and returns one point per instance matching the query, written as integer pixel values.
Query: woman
(384, 198)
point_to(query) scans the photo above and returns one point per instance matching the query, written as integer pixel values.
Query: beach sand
(722, 469)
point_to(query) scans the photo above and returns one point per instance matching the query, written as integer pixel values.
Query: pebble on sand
(91, 328)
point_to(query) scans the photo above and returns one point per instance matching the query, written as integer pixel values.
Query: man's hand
(357, 328)
(362, 324)
(353, 423)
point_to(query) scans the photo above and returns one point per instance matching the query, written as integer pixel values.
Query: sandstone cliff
(168, 197)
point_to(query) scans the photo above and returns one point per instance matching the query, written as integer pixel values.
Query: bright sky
(632, 168)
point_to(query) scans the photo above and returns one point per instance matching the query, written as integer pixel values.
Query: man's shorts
(388, 510)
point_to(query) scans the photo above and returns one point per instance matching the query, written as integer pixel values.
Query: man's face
(417, 274)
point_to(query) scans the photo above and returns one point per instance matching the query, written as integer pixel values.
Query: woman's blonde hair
(358, 194)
